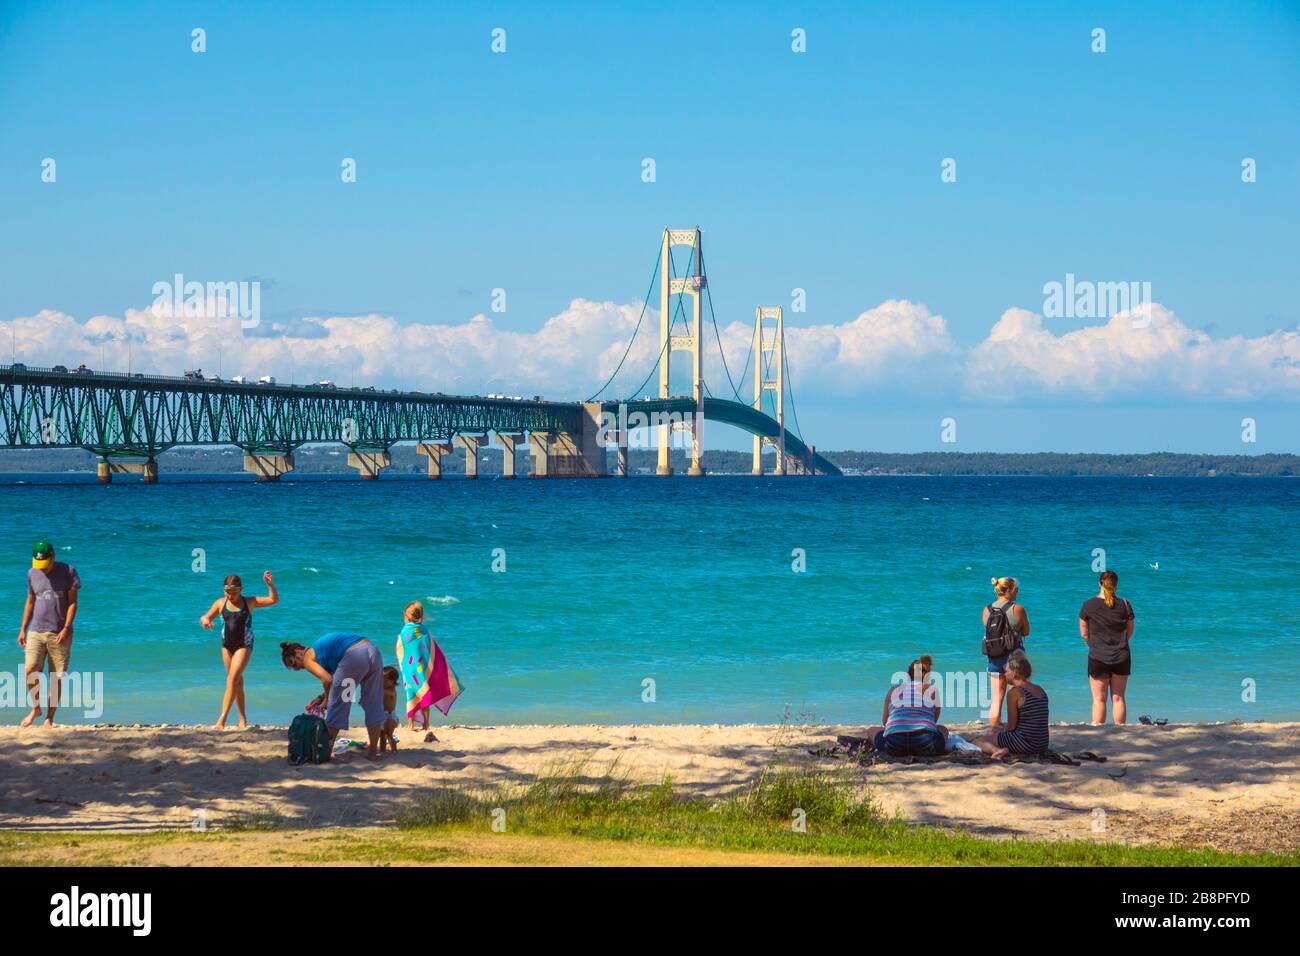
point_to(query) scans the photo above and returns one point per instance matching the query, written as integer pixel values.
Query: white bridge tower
(691, 285)
(775, 346)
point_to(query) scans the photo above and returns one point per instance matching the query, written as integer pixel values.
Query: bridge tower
(692, 286)
(775, 346)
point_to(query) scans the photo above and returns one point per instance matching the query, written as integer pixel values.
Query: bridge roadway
(128, 419)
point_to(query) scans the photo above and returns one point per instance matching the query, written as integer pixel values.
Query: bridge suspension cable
(789, 387)
(645, 304)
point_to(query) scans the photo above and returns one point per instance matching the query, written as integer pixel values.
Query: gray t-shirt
(51, 589)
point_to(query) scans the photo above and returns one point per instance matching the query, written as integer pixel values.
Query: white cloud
(897, 350)
(1144, 354)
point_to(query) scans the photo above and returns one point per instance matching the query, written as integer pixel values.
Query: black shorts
(1099, 671)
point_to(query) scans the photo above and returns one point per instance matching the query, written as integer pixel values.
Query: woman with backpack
(1006, 625)
(1106, 626)
(349, 668)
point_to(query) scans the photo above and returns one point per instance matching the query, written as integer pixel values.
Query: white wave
(446, 599)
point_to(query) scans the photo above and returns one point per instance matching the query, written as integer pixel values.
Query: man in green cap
(47, 625)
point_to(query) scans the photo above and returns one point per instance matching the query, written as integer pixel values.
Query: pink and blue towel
(427, 678)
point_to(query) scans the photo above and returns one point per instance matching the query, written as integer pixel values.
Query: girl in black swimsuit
(237, 638)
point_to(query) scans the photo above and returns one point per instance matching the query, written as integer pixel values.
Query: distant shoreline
(326, 460)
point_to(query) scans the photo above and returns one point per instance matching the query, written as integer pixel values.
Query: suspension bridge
(128, 420)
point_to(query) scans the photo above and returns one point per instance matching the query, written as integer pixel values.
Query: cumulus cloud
(1142, 354)
(897, 350)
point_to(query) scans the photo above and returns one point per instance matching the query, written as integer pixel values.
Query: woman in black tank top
(236, 612)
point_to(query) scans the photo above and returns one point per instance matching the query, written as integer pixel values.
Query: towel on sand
(427, 678)
(864, 752)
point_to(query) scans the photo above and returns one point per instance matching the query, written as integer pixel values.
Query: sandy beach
(1229, 786)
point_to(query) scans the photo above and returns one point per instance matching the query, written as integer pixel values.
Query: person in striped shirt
(911, 717)
(1025, 731)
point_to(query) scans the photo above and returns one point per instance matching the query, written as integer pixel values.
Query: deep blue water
(685, 582)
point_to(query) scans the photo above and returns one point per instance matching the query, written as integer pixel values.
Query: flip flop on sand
(1089, 755)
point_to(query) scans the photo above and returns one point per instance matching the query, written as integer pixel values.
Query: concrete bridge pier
(369, 463)
(508, 445)
(620, 441)
(578, 454)
(268, 467)
(107, 468)
(539, 446)
(471, 444)
(434, 452)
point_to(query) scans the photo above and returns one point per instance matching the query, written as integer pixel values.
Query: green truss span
(744, 417)
(117, 414)
(113, 414)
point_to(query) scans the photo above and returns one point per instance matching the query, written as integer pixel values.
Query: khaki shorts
(42, 644)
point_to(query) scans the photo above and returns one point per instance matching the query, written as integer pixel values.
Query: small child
(391, 678)
(415, 631)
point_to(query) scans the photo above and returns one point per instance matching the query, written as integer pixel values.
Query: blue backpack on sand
(309, 740)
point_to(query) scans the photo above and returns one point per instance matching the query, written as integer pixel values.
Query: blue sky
(818, 170)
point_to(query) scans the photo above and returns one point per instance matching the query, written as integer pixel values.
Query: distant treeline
(1161, 464)
(327, 460)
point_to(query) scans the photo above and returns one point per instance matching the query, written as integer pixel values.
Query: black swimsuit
(236, 627)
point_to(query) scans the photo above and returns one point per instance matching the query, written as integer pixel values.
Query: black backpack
(309, 740)
(999, 638)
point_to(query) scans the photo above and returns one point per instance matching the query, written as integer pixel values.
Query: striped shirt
(912, 707)
(1030, 735)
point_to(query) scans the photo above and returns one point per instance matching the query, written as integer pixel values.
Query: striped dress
(1030, 735)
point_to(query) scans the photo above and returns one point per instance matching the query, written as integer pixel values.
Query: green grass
(839, 819)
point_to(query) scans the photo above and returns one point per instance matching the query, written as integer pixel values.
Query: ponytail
(1109, 582)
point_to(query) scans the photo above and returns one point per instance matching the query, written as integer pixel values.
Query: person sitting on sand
(1106, 626)
(349, 668)
(1011, 623)
(911, 717)
(237, 638)
(1026, 728)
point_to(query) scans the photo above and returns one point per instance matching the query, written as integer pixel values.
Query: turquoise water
(684, 582)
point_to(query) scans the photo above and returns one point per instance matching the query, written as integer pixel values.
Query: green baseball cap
(42, 555)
